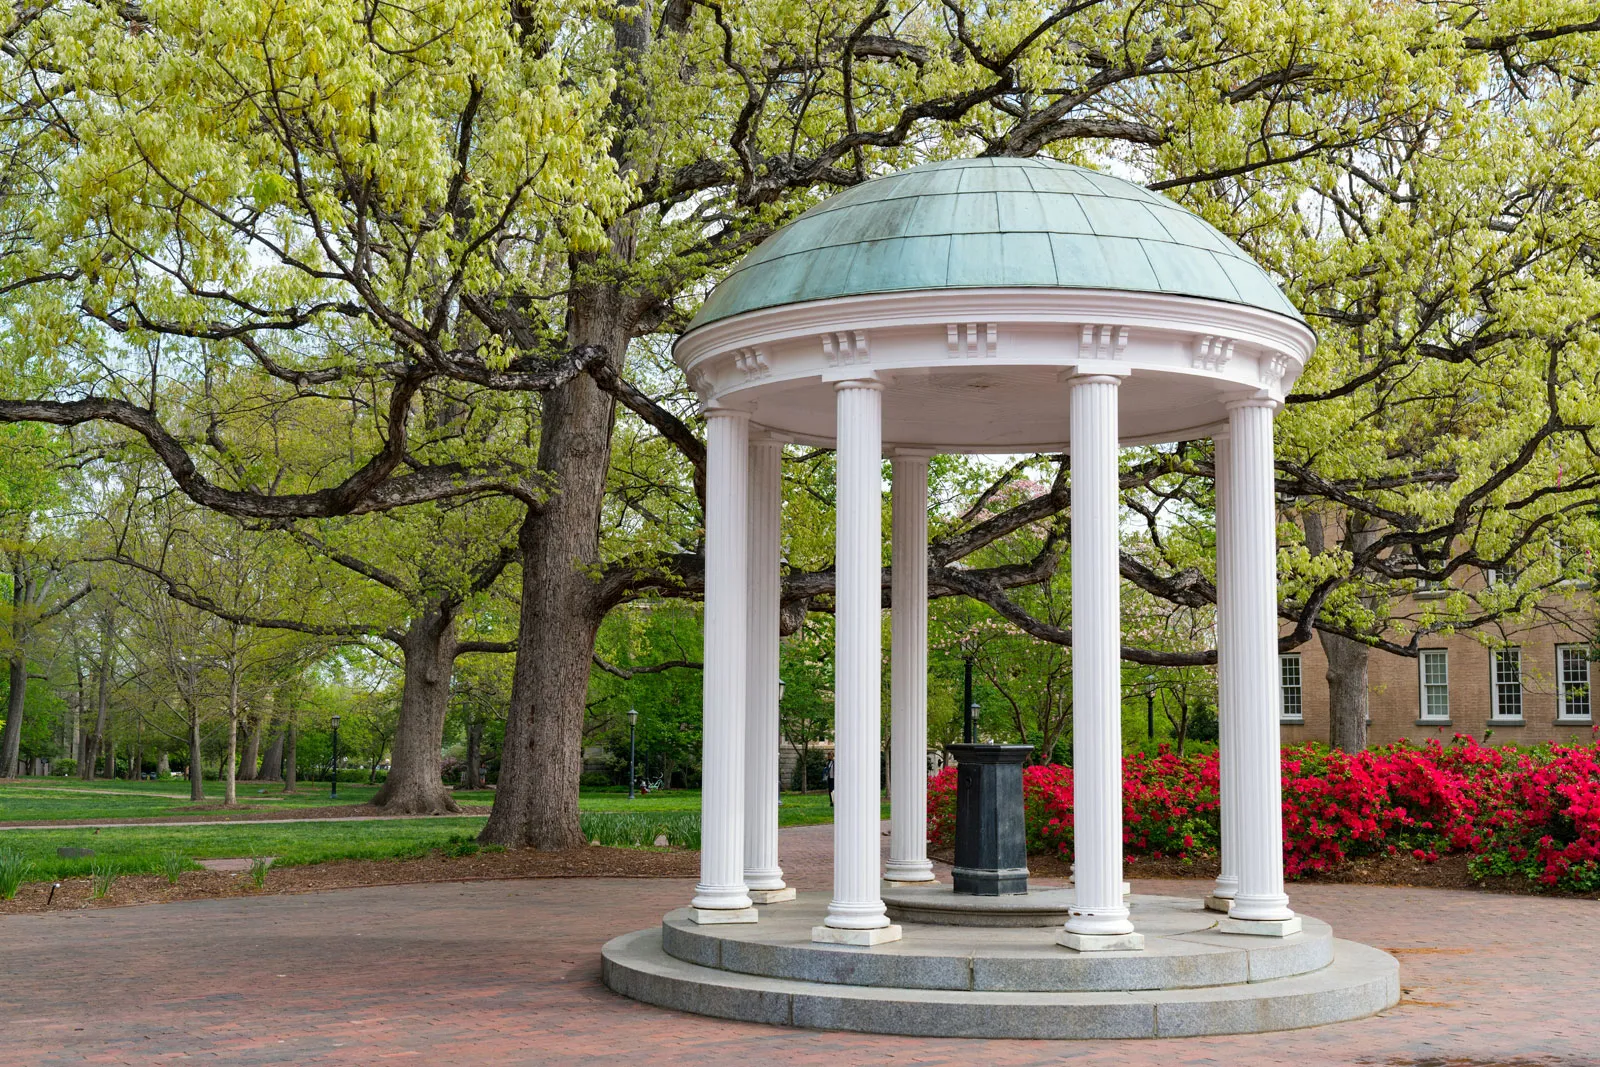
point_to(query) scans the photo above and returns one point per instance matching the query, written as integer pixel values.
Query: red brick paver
(508, 973)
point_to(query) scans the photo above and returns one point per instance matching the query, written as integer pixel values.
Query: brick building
(1534, 689)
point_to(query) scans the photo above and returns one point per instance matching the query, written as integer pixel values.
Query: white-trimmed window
(1292, 708)
(1506, 673)
(1434, 664)
(1573, 663)
(1432, 589)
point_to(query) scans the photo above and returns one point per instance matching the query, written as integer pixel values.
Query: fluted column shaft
(1252, 648)
(721, 884)
(856, 903)
(908, 674)
(1096, 654)
(1227, 710)
(761, 871)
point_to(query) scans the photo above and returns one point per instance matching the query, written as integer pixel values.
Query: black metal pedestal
(991, 840)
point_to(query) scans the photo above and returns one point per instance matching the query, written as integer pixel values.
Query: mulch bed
(242, 813)
(592, 862)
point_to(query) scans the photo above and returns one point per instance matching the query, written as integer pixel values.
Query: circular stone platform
(939, 904)
(957, 981)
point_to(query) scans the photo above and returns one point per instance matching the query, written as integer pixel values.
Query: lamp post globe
(334, 722)
(633, 722)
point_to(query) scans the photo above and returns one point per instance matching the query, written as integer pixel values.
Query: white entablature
(984, 370)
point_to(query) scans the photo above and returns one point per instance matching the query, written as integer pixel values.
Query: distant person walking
(830, 782)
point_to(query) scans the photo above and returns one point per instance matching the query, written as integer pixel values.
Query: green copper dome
(993, 223)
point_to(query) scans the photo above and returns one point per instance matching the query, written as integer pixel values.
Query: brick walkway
(507, 973)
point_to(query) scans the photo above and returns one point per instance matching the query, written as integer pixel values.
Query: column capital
(911, 455)
(1085, 374)
(856, 381)
(1257, 401)
(715, 412)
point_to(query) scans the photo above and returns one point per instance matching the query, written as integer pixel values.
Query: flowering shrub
(1528, 813)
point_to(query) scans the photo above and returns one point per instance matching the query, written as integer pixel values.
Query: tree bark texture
(415, 785)
(536, 800)
(272, 760)
(197, 774)
(290, 765)
(102, 695)
(1347, 692)
(230, 789)
(1347, 659)
(163, 768)
(251, 752)
(11, 740)
(473, 779)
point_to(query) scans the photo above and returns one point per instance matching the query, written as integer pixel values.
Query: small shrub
(173, 864)
(460, 845)
(631, 829)
(14, 870)
(103, 875)
(258, 870)
(494, 848)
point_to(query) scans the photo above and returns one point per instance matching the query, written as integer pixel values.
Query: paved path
(507, 973)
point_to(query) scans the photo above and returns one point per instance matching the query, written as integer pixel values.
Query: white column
(721, 895)
(1227, 712)
(908, 674)
(762, 875)
(1098, 918)
(1259, 905)
(856, 915)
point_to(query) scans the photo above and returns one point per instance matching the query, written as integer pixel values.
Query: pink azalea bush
(1527, 813)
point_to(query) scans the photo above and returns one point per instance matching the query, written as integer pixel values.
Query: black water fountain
(991, 836)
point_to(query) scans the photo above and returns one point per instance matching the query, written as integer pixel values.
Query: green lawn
(610, 818)
(50, 799)
(138, 849)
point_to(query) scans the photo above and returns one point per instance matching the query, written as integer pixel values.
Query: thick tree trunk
(1347, 692)
(230, 760)
(102, 694)
(536, 800)
(197, 775)
(252, 749)
(415, 785)
(11, 740)
(291, 767)
(163, 768)
(1347, 659)
(111, 755)
(473, 779)
(272, 760)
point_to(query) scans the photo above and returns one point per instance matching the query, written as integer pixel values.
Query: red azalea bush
(1530, 813)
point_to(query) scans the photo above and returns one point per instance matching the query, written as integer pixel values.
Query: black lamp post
(335, 722)
(1150, 707)
(633, 722)
(970, 707)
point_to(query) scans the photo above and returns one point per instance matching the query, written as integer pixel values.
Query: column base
(1260, 927)
(1213, 903)
(1101, 942)
(711, 916)
(771, 896)
(900, 883)
(1127, 887)
(832, 935)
